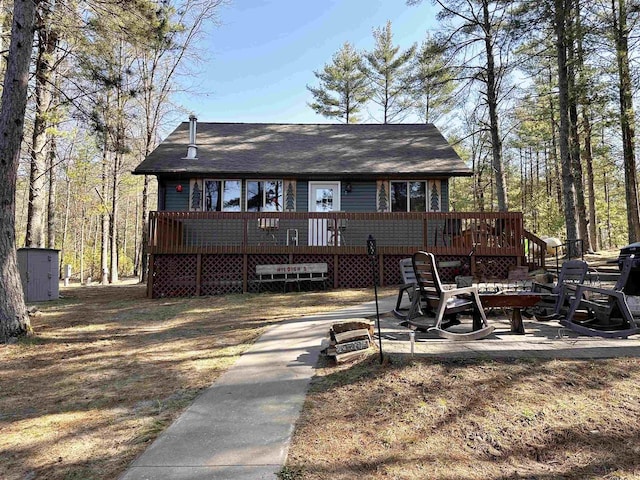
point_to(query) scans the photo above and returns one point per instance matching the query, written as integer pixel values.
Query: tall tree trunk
(591, 240)
(608, 208)
(47, 44)
(98, 232)
(113, 230)
(5, 30)
(37, 179)
(125, 227)
(492, 103)
(554, 170)
(627, 117)
(51, 202)
(574, 137)
(568, 188)
(82, 227)
(576, 91)
(136, 243)
(591, 193)
(14, 319)
(144, 240)
(104, 251)
(65, 224)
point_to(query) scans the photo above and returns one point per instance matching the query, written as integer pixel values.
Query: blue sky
(258, 62)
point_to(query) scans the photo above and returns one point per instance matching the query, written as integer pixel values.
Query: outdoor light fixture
(347, 188)
(178, 188)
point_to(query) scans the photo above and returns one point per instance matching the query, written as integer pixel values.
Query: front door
(323, 197)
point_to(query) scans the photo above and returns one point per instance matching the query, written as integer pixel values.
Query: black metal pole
(371, 250)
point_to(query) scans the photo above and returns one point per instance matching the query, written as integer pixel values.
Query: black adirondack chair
(435, 309)
(572, 273)
(408, 287)
(606, 310)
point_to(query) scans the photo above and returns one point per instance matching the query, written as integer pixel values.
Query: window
(264, 195)
(407, 196)
(222, 195)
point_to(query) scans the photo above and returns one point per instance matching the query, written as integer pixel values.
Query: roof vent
(192, 150)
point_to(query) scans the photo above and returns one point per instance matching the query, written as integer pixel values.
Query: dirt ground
(462, 419)
(471, 420)
(108, 369)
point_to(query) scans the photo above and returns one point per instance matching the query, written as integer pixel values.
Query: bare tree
(158, 62)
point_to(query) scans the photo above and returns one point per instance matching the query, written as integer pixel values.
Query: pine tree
(389, 74)
(343, 87)
(433, 83)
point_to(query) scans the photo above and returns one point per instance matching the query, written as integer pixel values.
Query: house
(235, 195)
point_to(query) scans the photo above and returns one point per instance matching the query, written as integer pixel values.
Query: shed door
(323, 197)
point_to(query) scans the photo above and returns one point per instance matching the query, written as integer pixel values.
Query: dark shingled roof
(314, 151)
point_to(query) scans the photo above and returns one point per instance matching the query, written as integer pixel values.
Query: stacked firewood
(349, 340)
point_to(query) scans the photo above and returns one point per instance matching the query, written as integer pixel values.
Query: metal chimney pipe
(192, 149)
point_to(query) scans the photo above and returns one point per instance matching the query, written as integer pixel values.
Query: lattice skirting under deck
(177, 275)
(355, 271)
(221, 274)
(174, 276)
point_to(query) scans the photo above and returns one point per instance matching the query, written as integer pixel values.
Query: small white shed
(39, 273)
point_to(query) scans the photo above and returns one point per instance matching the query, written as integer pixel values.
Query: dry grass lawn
(471, 419)
(108, 369)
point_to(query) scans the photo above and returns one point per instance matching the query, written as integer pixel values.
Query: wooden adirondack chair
(609, 317)
(409, 287)
(572, 273)
(436, 309)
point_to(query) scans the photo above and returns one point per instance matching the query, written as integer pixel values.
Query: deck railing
(450, 233)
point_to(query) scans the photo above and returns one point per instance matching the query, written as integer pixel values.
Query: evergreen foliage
(343, 87)
(389, 73)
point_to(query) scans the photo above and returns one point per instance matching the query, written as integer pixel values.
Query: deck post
(198, 274)
(425, 234)
(245, 273)
(150, 275)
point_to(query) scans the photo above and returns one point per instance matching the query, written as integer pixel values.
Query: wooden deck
(201, 253)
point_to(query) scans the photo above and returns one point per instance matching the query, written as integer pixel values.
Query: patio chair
(609, 315)
(436, 309)
(409, 286)
(572, 273)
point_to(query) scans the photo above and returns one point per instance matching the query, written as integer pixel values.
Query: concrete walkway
(240, 428)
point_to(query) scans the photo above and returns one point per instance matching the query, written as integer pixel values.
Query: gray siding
(302, 196)
(176, 201)
(444, 200)
(362, 197)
